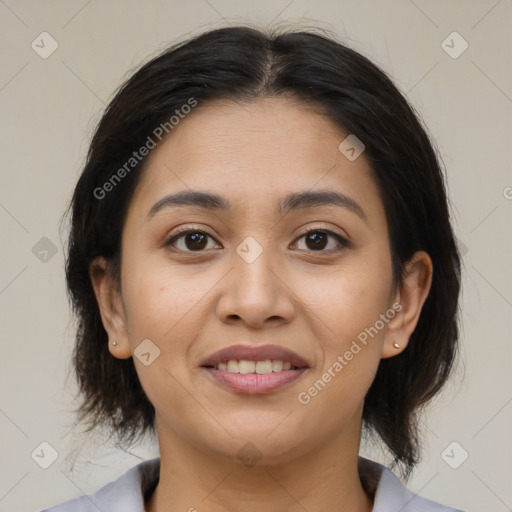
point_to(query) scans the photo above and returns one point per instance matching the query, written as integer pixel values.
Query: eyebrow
(290, 202)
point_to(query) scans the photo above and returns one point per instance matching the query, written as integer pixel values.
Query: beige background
(49, 109)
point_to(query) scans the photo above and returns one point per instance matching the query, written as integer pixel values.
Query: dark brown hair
(244, 63)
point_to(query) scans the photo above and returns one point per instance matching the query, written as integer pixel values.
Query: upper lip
(255, 353)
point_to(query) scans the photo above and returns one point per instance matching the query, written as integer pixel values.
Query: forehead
(254, 153)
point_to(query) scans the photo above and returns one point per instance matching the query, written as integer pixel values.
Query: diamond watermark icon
(249, 250)
(351, 147)
(454, 45)
(462, 247)
(44, 455)
(44, 250)
(249, 455)
(44, 45)
(454, 455)
(146, 352)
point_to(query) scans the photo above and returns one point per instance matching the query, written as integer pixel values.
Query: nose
(256, 293)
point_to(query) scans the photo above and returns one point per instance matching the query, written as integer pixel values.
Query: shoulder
(126, 494)
(391, 494)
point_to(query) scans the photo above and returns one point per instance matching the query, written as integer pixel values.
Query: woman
(262, 265)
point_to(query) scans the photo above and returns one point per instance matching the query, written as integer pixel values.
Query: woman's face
(249, 275)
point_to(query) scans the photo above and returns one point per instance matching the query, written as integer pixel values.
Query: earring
(396, 345)
(114, 343)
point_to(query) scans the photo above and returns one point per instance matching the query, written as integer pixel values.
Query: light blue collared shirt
(126, 494)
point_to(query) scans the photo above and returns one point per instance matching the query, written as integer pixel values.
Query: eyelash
(186, 231)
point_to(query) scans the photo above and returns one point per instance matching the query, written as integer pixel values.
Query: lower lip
(253, 383)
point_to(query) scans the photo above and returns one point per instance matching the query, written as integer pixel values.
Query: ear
(111, 308)
(411, 296)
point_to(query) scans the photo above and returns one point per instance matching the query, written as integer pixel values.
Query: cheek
(162, 306)
(345, 314)
(160, 299)
(346, 311)
(346, 301)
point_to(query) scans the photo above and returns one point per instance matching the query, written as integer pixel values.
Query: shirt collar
(128, 493)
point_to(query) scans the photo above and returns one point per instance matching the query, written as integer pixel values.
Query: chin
(264, 444)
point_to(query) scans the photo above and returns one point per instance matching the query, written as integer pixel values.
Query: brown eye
(190, 240)
(319, 240)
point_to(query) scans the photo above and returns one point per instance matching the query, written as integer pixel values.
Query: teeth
(246, 366)
(260, 367)
(277, 366)
(264, 366)
(232, 366)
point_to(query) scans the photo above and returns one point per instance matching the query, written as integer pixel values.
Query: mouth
(246, 366)
(254, 370)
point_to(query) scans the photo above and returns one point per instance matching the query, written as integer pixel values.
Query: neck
(326, 478)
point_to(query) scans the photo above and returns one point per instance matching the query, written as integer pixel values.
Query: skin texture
(315, 302)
